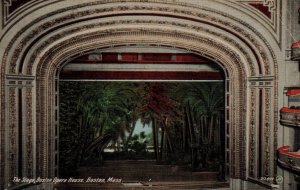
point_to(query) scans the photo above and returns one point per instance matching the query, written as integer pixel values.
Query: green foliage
(186, 120)
(69, 126)
(138, 143)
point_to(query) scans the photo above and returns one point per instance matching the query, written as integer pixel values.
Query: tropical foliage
(186, 119)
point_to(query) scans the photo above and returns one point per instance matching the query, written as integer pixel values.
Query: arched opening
(175, 99)
(35, 55)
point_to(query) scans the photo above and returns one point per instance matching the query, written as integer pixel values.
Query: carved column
(29, 132)
(252, 133)
(261, 128)
(11, 138)
(20, 135)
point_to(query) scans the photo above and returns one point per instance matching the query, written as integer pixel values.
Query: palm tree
(208, 101)
(107, 109)
(160, 110)
(203, 105)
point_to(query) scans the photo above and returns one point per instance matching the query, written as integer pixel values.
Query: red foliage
(158, 102)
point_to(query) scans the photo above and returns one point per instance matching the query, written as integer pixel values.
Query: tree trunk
(218, 135)
(168, 139)
(205, 128)
(155, 139)
(211, 120)
(201, 127)
(162, 140)
(102, 127)
(192, 137)
(184, 137)
(187, 136)
(130, 135)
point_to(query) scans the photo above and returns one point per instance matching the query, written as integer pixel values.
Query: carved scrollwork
(252, 144)
(29, 140)
(267, 131)
(12, 134)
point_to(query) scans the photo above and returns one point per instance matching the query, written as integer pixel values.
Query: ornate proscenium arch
(34, 55)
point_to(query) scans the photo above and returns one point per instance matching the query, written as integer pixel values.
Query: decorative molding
(12, 8)
(239, 31)
(252, 139)
(137, 35)
(269, 13)
(29, 132)
(290, 117)
(125, 22)
(12, 5)
(269, 9)
(274, 6)
(267, 131)
(20, 77)
(8, 8)
(266, 7)
(289, 159)
(12, 150)
(19, 81)
(271, 4)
